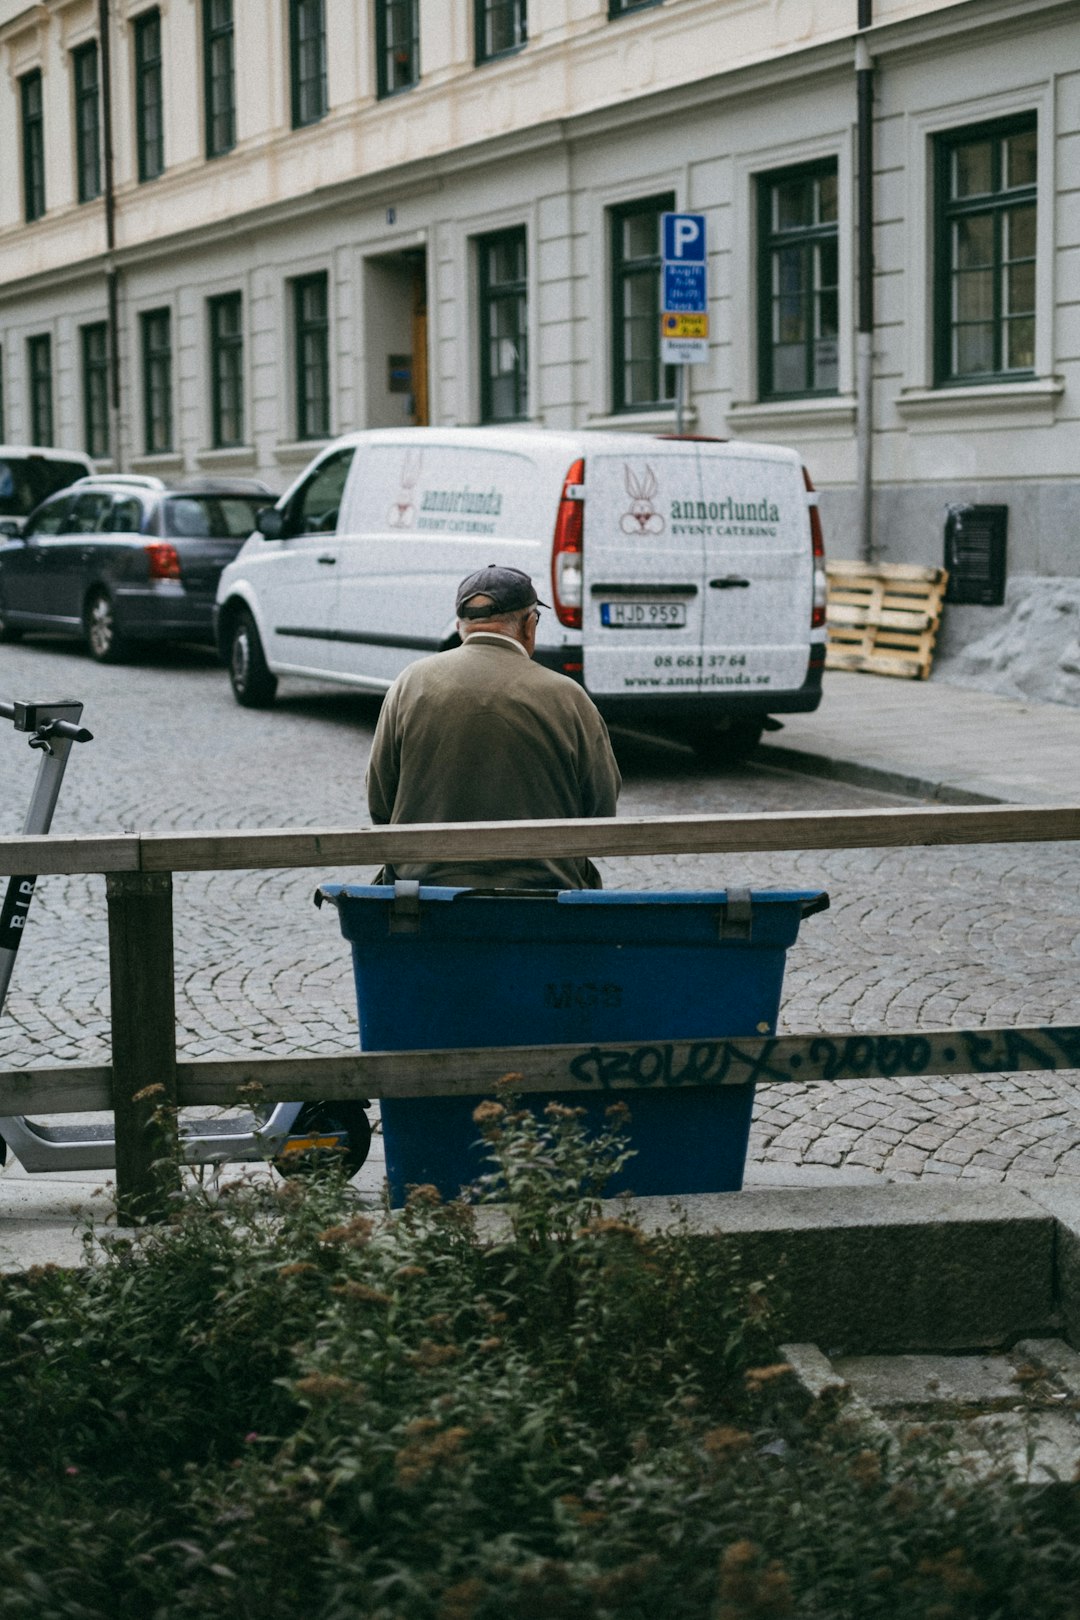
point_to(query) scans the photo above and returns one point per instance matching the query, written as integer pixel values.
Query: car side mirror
(10, 528)
(270, 522)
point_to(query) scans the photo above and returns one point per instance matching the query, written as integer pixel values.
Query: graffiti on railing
(811, 1058)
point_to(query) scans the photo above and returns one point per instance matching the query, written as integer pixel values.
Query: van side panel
(417, 518)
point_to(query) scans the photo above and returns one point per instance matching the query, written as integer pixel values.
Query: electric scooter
(287, 1134)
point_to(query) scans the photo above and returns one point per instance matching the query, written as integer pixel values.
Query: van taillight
(566, 559)
(164, 560)
(817, 547)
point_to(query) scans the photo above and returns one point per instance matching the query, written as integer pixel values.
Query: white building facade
(231, 229)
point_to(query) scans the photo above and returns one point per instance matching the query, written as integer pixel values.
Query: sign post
(684, 301)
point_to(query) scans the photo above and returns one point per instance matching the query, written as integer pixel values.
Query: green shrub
(282, 1404)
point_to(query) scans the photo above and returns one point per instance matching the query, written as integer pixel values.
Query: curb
(876, 777)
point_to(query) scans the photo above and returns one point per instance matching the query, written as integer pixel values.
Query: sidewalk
(925, 739)
(934, 742)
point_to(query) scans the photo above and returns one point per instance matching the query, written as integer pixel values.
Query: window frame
(302, 116)
(620, 271)
(226, 365)
(156, 364)
(95, 389)
(40, 387)
(490, 295)
(995, 203)
(149, 94)
(627, 8)
(482, 14)
(215, 36)
(87, 99)
(305, 327)
(382, 81)
(32, 127)
(806, 238)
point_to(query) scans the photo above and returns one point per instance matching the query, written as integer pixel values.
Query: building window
(157, 381)
(33, 150)
(504, 347)
(227, 370)
(984, 302)
(84, 64)
(95, 381)
(798, 286)
(39, 366)
(622, 8)
(397, 44)
(501, 27)
(639, 380)
(219, 77)
(311, 315)
(307, 55)
(149, 107)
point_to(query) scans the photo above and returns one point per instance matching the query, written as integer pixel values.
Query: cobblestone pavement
(915, 938)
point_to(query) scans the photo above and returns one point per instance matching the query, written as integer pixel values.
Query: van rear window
(27, 480)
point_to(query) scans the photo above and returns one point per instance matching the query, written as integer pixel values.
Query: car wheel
(102, 639)
(252, 683)
(727, 745)
(8, 631)
(315, 1119)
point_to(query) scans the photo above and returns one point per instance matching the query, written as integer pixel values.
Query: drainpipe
(112, 274)
(864, 349)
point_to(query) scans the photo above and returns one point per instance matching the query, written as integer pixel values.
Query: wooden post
(142, 996)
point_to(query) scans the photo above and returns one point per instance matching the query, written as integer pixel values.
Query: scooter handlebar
(28, 717)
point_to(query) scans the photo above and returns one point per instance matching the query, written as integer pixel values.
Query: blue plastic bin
(458, 967)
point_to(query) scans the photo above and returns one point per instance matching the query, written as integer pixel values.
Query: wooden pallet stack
(883, 617)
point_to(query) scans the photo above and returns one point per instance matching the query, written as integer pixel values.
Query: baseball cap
(508, 588)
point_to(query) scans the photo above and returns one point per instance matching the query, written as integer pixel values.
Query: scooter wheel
(326, 1117)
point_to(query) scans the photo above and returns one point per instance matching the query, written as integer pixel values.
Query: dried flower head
(426, 1193)
(488, 1113)
(361, 1293)
(327, 1387)
(758, 1377)
(725, 1441)
(352, 1234)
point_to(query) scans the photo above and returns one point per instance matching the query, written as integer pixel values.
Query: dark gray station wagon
(119, 559)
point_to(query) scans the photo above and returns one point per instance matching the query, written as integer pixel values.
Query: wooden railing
(145, 1081)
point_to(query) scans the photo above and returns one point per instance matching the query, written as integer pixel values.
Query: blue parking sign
(684, 238)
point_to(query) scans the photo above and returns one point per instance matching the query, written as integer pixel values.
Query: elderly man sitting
(482, 733)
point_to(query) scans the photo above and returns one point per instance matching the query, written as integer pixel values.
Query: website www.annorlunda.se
(695, 681)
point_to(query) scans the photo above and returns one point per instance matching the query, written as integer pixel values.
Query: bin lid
(754, 916)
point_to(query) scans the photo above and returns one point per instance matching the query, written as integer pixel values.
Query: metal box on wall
(975, 554)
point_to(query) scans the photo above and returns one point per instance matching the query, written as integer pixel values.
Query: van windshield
(27, 480)
(213, 517)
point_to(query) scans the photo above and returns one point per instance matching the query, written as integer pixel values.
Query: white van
(29, 473)
(686, 576)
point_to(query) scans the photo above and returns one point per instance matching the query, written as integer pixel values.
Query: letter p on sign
(684, 238)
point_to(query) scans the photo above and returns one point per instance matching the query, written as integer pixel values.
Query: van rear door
(642, 607)
(698, 571)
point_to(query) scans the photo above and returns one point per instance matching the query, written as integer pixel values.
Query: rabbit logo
(402, 513)
(642, 516)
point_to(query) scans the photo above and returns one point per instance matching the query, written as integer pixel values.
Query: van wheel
(103, 642)
(727, 745)
(252, 683)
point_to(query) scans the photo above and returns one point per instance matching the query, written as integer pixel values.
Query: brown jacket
(483, 733)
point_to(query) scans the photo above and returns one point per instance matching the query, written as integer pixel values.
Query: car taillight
(164, 560)
(566, 558)
(817, 546)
